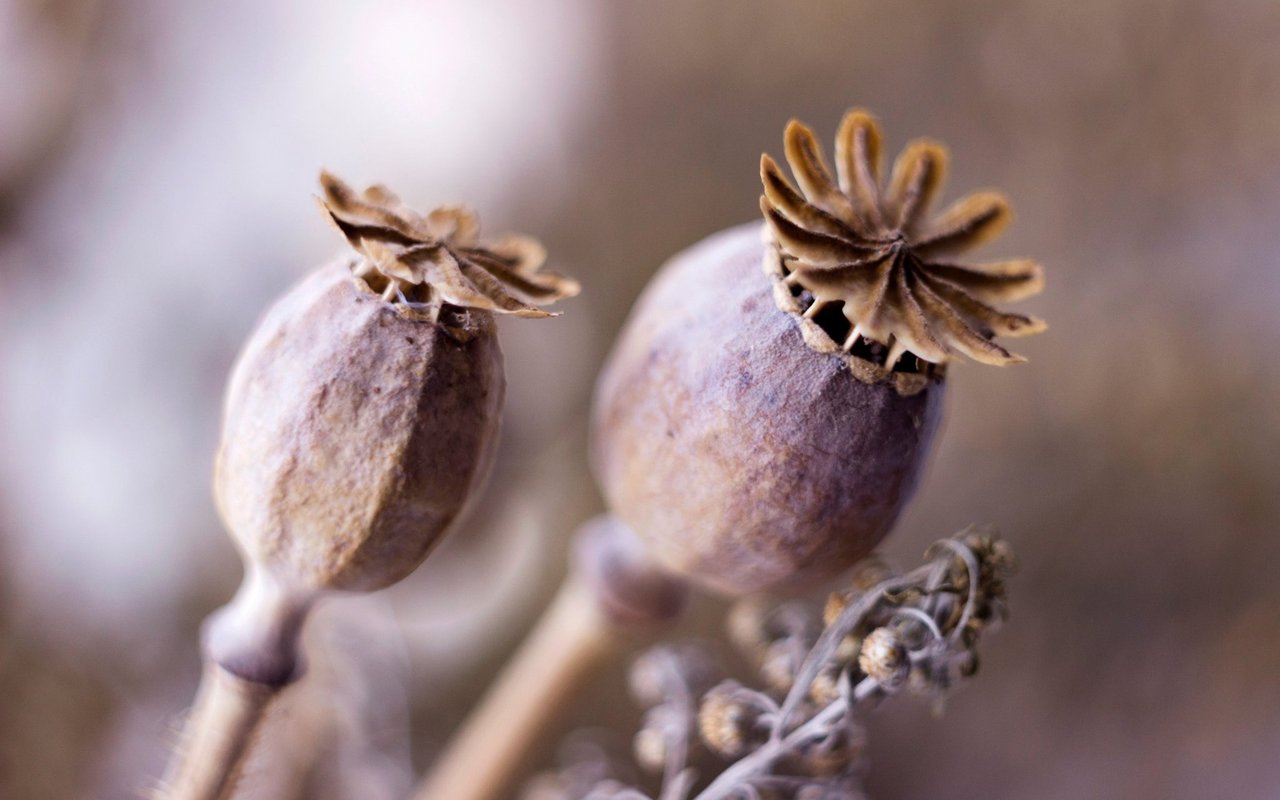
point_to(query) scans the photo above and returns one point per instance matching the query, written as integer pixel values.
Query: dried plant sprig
(917, 632)
(422, 261)
(875, 250)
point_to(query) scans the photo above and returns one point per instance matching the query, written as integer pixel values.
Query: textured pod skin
(742, 457)
(353, 435)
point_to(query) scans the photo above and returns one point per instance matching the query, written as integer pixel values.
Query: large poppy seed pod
(767, 409)
(363, 412)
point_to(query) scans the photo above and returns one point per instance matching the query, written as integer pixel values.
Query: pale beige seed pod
(353, 435)
(360, 418)
(363, 412)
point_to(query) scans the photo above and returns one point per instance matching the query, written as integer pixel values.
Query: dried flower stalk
(612, 589)
(801, 736)
(220, 727)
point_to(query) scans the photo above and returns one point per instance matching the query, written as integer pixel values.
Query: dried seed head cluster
(807, 739)
(363, 411)
(421, 262)
(730, 720)
(873, 254)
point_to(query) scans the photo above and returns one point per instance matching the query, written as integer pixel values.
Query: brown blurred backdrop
(156, 161)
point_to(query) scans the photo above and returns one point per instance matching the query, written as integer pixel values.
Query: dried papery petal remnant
(874, 250)
(420, 262)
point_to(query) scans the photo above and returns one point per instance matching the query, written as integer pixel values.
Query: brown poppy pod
(363, 412)
(360, 419)
(743, 457)
(353, 435)
(767, 410)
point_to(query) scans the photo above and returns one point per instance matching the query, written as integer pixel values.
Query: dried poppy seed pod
(353, 434)
(363, 412)
(728, 721)
(359, 419)
(766, 411)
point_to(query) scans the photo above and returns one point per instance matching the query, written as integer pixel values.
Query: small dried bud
(748, 628)
(825, 687)
(1001, 555)
(870, 572)
(650, 748)
(851, 643)
(884, 659)
(921, 681)
(727, 721)
(779, 665)
(834, 753)
(646, 678)
(848, 648)
(837, 602)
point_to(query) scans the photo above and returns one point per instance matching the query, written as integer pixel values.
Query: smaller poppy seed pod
(359, 420)
(767, 410)
(363, 412)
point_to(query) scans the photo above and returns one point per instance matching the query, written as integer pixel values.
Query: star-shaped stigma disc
(876, 250)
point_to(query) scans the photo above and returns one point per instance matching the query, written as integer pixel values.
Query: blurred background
(157, 162)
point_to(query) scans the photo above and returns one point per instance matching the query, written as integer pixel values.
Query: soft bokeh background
(156, 162)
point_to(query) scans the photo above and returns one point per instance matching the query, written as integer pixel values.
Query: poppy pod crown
(876, 254)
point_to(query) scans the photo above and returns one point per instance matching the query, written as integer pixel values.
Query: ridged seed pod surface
(353, 434)
(742, 456)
